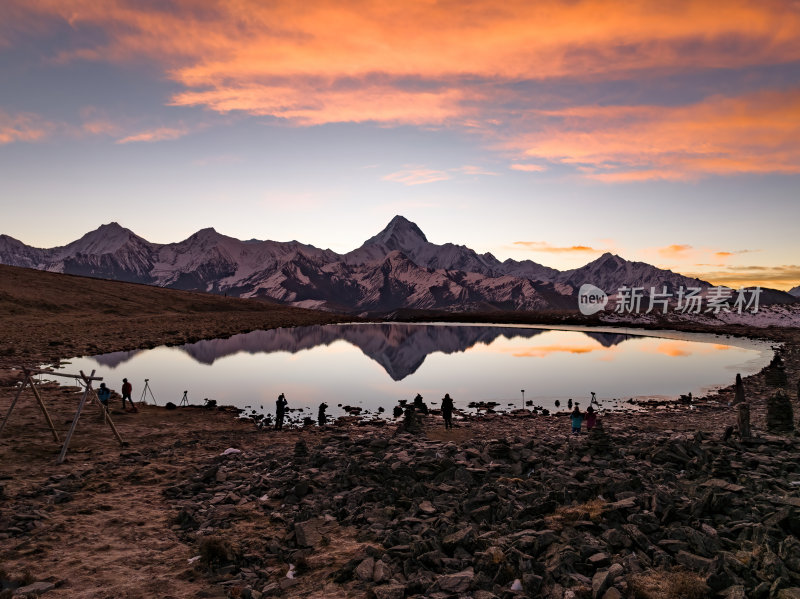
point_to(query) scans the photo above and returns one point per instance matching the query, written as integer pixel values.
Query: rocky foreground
(506, 506)
(637, 514)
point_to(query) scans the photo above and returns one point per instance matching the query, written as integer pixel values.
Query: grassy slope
(55, 316)
(25, 291)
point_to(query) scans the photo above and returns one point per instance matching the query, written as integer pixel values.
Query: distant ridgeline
(396, 269)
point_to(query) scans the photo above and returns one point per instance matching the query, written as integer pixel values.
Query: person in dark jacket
(280, 411)
(322, 418)
(127, 389)
(104, 394)
(447, 410)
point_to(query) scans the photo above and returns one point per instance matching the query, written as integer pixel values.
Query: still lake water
(375, 365)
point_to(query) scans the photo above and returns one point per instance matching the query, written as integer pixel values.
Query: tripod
(145, 391)
(185, 400)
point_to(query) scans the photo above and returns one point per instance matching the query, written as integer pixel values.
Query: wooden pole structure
(75, 420)
(28, 380)
(42, 406)
(13, 403)
(88, 382)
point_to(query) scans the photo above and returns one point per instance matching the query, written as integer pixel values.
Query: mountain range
(396, 269)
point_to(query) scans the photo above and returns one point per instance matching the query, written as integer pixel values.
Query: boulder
(456, 583)
(307, 533)
(365, 569)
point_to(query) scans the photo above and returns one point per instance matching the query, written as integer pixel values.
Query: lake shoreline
(159, 497)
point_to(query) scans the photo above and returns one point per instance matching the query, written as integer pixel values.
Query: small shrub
(591, 510)
(215, 551)
(662, 584)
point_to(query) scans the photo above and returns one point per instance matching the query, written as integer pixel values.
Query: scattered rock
(34, 590)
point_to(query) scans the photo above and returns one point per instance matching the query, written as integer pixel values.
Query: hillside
(65, 315)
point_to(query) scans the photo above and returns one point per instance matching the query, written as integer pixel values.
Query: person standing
(591, 418)
(576, 416)
(280, 411)
(322, 418)
(447, 410)
(127, 389)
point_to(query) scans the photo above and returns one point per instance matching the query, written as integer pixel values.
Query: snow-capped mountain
(404, 236)
(795, 291)
(397, 268)
(609, 270)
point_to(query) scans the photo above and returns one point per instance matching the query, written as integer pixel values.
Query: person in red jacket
(127, 389)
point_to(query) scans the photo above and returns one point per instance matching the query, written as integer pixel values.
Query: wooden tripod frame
(87, 381)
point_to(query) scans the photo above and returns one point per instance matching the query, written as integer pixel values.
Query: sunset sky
(550, 131)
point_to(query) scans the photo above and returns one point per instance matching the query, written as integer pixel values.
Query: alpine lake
(367, 369)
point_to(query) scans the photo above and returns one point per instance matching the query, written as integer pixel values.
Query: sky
(551, 131)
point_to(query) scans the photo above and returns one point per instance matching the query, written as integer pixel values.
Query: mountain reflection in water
(399, 348)
(373, 366)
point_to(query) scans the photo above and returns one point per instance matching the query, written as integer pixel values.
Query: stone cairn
(743, 420)
(738, 390)
(300, 449)
(600, 441)
(775, 373)
(721, 467)
(780, 416)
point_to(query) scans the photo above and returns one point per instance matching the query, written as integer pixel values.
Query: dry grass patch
(591, 510)
(666, 584)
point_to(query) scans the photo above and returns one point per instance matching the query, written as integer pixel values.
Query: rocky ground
(656, 504)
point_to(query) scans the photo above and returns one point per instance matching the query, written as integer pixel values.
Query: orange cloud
(309, 105)
(22, 127)
(757, 133)
(417, 61)
(528, 168)
(417, 176)
(674, 250)
(777, 277)
(442, 64)
(475, 170)
(160, 134)
(543, 246)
